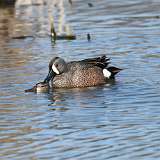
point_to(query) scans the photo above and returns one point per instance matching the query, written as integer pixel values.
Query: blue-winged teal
(84, 73)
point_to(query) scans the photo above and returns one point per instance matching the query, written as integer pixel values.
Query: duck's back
(79, 74)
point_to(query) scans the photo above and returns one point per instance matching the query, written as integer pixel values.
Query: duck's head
(39, 87)
(56, 66)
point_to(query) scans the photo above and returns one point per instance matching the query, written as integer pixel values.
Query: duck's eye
(56, 65)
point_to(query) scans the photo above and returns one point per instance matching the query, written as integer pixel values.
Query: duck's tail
(110, 72)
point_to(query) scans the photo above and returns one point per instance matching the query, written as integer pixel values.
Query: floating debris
(88, 37)
(22, 37)
(90, 4)
(157, 16)
(66, 37)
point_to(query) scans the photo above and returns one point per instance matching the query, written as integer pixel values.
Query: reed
(53, 32)
(55, 36)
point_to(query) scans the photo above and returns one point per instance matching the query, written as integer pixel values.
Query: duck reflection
(59, 97)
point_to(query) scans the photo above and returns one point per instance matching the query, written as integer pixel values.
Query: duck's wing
(101, 62)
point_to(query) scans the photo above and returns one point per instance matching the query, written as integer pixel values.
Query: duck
(78, 74)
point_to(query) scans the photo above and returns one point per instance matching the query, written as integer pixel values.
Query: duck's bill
(31, 89)
(50, 76)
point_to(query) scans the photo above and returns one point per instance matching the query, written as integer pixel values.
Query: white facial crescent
(55, 69)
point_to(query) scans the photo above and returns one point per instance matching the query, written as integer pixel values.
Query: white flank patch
(55, 69)
(106, 73)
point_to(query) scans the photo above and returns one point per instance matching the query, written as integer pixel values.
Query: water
(120, 121)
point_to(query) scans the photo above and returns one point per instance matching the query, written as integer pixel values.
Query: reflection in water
(6, 23)
(58, 96)
(118, 121)
(12, 58)
(43, 12)
(63, 27)
(30, 2)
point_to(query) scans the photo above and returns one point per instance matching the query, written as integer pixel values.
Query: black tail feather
(101, 62)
